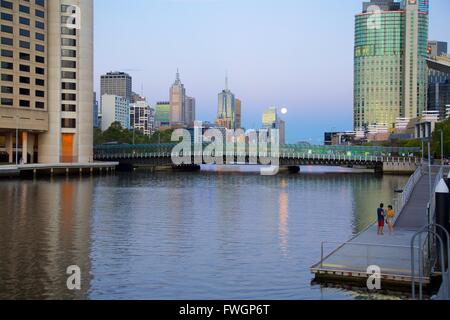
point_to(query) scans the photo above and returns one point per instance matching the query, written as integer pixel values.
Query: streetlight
(17, 140)
(442, 147)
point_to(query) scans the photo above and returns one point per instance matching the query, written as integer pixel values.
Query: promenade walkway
(350, 261)
(15, 170)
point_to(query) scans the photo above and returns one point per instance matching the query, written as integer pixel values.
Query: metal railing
(348, 151)
(403, 199)
(424, 255)
(432, 203)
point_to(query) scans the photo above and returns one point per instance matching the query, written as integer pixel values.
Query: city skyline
(258, 81)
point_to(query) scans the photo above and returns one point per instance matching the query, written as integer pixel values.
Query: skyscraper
(118, 84)
(46, 79)
(226, 116)
(142, 117)
(238, 112)
(162, 114)
(271, 120)
(115, 109)
(437, 48)
(177, 102)
(189, 114)
(390, 75)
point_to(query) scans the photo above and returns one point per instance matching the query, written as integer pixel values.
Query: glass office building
(390, 75)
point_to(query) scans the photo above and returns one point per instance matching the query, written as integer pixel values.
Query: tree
(436, 139)
(116, 134)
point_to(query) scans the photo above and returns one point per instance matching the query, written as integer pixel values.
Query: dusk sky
(296, 54)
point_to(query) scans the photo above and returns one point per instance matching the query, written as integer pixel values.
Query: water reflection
(183, 236)
(283, 204)
(45, 227)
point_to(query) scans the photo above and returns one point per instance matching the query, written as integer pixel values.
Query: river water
(206, 235)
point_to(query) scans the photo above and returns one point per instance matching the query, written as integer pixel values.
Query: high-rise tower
(177, 102)
(390, 75)
(226, 115)
(47, 79)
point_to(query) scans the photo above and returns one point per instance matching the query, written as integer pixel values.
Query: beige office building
(46, 80)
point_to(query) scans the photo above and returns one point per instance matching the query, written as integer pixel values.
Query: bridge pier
(294, 169)
(186, 168)
(125, 167)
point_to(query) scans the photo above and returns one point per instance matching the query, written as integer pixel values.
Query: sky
(296, 54)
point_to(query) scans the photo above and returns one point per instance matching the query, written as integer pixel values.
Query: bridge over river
(380, 159)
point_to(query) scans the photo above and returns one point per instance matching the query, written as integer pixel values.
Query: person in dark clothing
(381, 214)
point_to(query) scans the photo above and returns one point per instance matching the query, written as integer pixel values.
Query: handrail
(407, 192)
(445, 275)
(432, 203)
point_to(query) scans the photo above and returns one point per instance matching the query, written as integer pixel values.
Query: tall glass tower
(226, 114)
(390, 75)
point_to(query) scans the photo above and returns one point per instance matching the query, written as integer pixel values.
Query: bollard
(448, 180)
(443, 212)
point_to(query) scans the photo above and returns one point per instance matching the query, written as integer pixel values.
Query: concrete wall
(400, 168)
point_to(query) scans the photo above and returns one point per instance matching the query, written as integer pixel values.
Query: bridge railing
(340, 153)
(407, 191)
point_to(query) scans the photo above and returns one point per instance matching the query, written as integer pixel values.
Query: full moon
(284, 110)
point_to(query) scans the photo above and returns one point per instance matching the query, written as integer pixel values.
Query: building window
(40, 48)
(6, 16)
(40, 59)
(24, 44)
(7, 41)
(24, 103)
(68, 123)
(24, 92)
(24, 21)
(68, 53)
(7, 65)
(68, 64)
(40, 36)
(69, 86)
(68, 75)
(40, 13)
(68, 97)
(40, 82)
(7, 4)
(25, 80)
(24, 33)
(24, 9)
(6, 102)
(68, 31)
(7, 77)
(69, 42)
(68, 108)
(7, 53)
(7, 29)
(39, 105)
(24, 56)
(8, 90)
(24, 68)
(39, 25)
